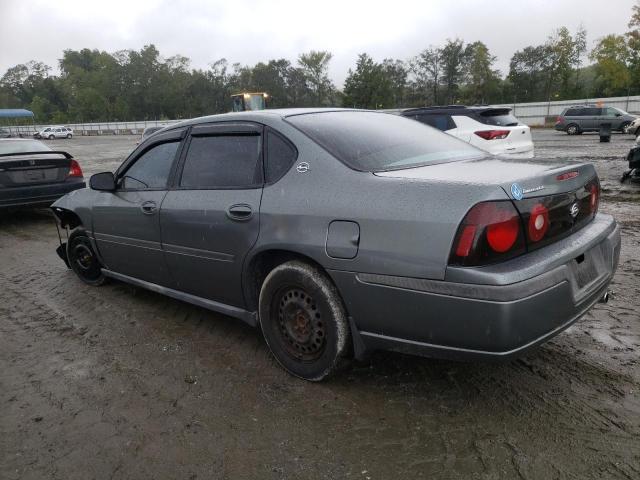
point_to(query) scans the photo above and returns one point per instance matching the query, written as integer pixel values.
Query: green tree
(482, 79)
(453, 59)
(611, 56)
(315, 66)
(368, 86)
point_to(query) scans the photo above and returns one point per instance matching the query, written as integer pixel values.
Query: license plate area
(587, 270)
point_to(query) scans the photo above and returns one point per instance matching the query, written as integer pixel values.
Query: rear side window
(152, 168)
(575, 112)
(441, 122)
(501, 118)
(590, 112)
(279, 158)
(371, 141)
(223, 161)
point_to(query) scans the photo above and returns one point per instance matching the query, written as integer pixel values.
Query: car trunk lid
(563, 191)
(19, 170)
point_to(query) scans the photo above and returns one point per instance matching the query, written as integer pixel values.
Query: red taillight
(502, 236)
(74, 169)
(491, 231)
(559, 119)
(538, 222)
(594, 197)
(493, 134)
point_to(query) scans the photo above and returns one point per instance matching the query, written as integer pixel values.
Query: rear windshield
(373, 142)
(502, 118)
(19, 146)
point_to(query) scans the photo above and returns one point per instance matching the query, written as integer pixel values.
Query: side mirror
(618, 114)
(104, 181)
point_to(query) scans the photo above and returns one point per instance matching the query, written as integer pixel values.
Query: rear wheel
(573, 129)
(68, 135)
(303, 320)
(83, 259)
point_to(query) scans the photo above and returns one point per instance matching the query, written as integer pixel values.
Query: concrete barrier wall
(533, 114)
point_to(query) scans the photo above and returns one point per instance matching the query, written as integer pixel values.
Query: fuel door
(343, 238)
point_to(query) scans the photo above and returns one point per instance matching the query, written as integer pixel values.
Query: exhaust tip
(604, 298)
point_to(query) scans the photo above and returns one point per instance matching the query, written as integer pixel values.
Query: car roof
(258, 115)
(455, 109)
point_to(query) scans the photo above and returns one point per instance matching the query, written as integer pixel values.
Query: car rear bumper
(37, 195)
(471, 320)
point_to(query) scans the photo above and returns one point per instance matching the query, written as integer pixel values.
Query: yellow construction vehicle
(247, 101)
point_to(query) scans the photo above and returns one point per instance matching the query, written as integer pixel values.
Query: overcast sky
(249, 31)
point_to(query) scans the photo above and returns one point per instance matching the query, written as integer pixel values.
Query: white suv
(54, 132)
(492, 129)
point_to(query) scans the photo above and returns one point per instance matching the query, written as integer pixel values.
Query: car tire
(51, 137)
(573, 129)
(83, 259)
(68, 135)
(304, 321)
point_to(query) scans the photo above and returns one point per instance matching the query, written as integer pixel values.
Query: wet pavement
(118, 382)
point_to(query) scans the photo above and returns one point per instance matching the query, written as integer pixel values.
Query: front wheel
(51, 137)
(83, 259)
(303, 320)
(68, 135)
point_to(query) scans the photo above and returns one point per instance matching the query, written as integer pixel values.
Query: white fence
(533, 114)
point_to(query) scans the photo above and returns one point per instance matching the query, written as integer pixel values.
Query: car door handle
(240, 212)
(148, 207)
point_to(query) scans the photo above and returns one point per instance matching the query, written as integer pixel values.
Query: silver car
(339, 232)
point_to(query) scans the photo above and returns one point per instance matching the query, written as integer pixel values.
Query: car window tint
(502, 118)
(441, 122)
(151, 170)
(280, 156)
(590, 112)
(372, 141)
(222, 161)
(19, 146)
(610, 112)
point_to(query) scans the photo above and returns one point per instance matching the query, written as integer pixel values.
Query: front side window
(373, 142)
(223, 161)
(152, 168)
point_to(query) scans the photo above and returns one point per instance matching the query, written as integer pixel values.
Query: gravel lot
(118, 382)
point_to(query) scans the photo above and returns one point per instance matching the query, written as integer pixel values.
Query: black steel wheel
(303, 320)
(83, 259)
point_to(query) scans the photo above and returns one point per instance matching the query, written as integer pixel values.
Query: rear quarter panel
(406, 226)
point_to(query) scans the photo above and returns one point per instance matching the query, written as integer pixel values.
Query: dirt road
(118, 382)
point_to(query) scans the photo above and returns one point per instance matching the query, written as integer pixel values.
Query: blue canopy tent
(10, 117)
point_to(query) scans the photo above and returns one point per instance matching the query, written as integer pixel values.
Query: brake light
(567, 176)
(74, 169)
(493, 134)
(559, 119)
(538, 222)
(490, 232)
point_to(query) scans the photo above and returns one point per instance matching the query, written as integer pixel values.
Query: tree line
(136, 85)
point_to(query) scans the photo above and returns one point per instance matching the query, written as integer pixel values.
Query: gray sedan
(339, 232)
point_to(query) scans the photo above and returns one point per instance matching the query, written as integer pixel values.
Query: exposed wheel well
(260, 266)
(67, 217)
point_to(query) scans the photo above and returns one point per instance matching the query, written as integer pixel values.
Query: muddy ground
(118, 382)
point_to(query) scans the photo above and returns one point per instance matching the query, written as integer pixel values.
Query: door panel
(206, 240)
(126, 226)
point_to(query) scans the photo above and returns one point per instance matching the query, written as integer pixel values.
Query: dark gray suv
(589, 118)
(339, 232)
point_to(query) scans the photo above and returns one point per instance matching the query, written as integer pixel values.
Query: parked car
(634, 127)
(33, 174)
(54, 132)
(494, 130)
(340, 231)
(588, 118)
(5, 133)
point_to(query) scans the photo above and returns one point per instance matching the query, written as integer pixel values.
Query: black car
(33, 174)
